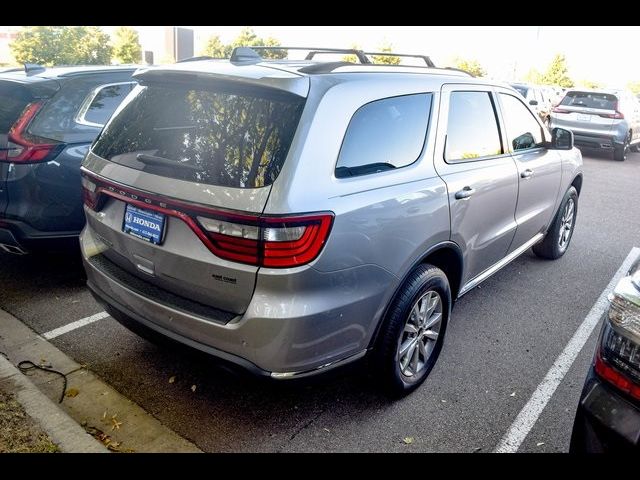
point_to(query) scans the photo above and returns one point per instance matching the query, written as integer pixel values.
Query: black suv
(48, 119)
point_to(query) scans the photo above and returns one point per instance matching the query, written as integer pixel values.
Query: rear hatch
(590, 113)
(17, 92)
(185, 159)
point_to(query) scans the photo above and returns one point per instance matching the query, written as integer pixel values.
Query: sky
(601, 54)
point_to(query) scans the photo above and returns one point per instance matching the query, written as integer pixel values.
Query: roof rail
(426, 59)
(32, 68)
(195, 59)
(252, 53)
(359, 54)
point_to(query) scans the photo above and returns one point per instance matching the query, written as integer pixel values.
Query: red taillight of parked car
(616, 115)
(23, 147)
(277, 241)
(268, 241)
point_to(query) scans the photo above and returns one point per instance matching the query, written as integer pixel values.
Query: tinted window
(604, 101)
(384, 134)
(472, 130)
(104, 103)
(521, 90)
(523, 131)
(234, 138)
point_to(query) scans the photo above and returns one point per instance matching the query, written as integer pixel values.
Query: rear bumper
(282, 334)
(23, 238)
(605, 421)
(597, 141)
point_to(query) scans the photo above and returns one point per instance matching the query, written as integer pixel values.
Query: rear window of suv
(225, 137)
(602, 101)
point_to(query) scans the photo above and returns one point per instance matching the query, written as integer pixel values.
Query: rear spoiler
(227, 74)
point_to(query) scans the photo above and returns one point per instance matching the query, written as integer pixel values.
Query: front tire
(411, 337)
(556, 241)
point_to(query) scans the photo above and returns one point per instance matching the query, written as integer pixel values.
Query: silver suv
(293, 216)
(601, 119)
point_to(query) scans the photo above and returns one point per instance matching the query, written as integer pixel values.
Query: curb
(61, 428)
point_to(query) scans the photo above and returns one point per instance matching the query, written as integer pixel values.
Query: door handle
(527, 173)
(466, 192)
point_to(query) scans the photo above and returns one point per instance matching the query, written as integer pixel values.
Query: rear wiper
(165, 162)
(342, 172)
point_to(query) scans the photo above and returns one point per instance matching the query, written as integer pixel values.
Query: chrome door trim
(477, 280)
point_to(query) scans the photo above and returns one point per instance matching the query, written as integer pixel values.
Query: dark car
(48, 119)
(608, 416)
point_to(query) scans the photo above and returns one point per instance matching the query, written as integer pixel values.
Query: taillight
(282, 242)
(559, 110)
(278, 241)
(617, 115)
(618, 358)
(23, 147)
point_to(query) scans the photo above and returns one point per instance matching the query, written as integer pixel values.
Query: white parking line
(74, 325)
(529, 414)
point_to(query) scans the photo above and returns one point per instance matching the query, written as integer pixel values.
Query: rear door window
(384, 135)
(601, 101)
(523, 131)
(226, 136)
(472, 129)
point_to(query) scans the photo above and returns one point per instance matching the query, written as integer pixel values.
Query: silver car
(290, 217)
(601, 119)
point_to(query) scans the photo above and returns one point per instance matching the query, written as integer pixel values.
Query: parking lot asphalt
(503, 338)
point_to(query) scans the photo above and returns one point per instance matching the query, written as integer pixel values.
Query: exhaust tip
(13, 249)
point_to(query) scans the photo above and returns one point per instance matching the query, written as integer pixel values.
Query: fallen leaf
(104, 415)
(477, 449)
(72, 392)
(408, 440)
(443, 401)
(326, 430)
(193, 388)
(172, 379)
(539, 444)
(115, 425)
(513, 394)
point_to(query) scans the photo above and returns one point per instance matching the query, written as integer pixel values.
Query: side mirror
(561, 139)
(533, 102)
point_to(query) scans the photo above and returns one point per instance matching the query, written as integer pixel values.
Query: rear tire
(620, 153)
(556, 241)
(635, 148)
(412, 333)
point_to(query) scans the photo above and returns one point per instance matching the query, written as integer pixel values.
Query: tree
(471, 66)
(61, 46)
(634, 87)
(533, 76)
(216, 49)
(350, 57)
(246, 38)
(386, 47)
(126, 46)
(558, 73)
(589, 84)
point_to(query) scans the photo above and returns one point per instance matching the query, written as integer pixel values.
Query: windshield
(226, 138)
(521, 90)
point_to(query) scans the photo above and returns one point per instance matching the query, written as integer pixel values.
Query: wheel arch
(577, 183)
(447, 256)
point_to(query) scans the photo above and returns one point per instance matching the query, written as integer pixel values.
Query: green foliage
(558, 73)
(634, 87)
(216, 49)
(386, 47)
(589, 84)
(126, 46)
(471, 66)
(247, 38)
(352, 58)
(61, 46)
(533, 76)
